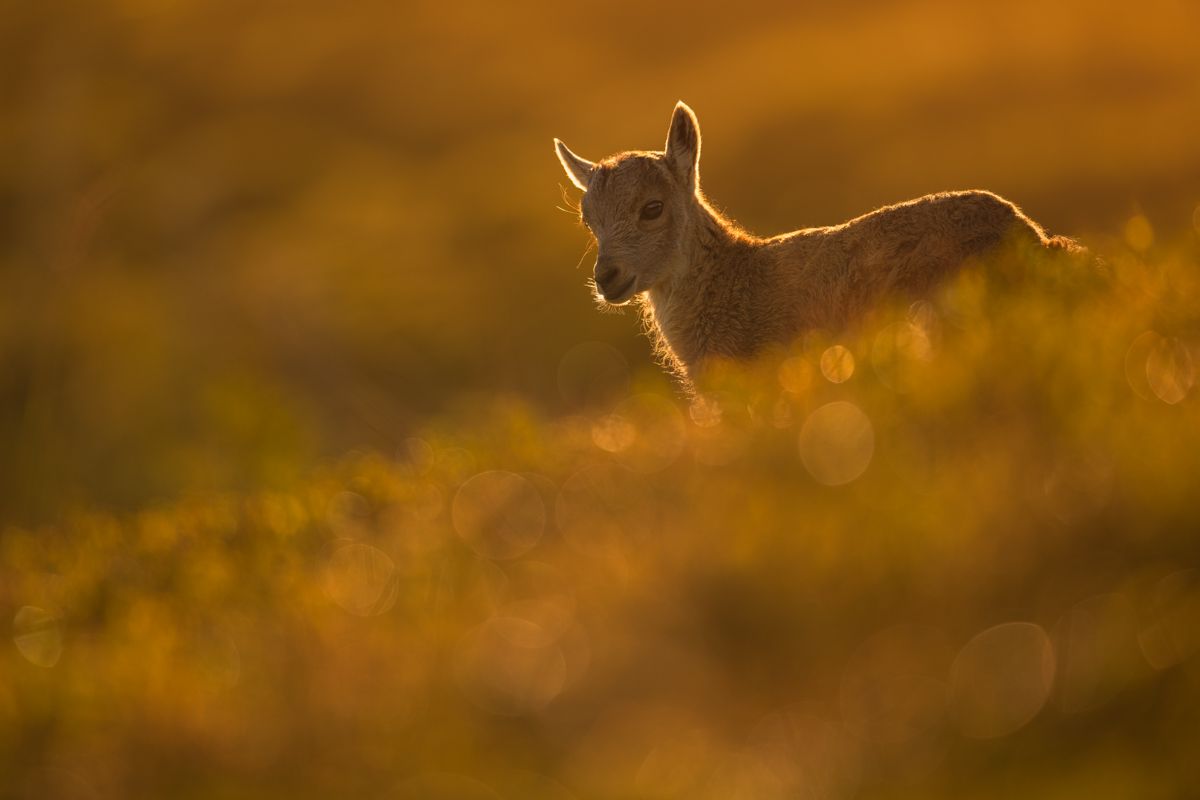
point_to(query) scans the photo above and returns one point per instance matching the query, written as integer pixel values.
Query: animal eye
(652, 210)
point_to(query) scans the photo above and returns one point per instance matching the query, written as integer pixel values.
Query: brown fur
(709, 289)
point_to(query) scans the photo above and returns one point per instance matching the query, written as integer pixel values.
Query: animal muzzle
(614, 284)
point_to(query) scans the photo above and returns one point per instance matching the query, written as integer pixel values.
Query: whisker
(586, 250)
(569, 201)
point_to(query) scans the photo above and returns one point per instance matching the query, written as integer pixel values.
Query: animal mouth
(620, 295)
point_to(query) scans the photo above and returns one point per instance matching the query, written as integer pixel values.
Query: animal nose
(606, 273)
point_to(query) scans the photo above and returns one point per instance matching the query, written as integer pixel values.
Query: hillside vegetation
(952, 555)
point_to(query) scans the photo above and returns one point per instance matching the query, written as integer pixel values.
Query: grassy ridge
(951, 554)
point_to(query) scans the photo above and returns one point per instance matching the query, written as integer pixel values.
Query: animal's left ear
(683, 145)
(578, 169)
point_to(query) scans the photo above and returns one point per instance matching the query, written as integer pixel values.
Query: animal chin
(620, 295)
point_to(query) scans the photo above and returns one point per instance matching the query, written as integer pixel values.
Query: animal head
(639, 207)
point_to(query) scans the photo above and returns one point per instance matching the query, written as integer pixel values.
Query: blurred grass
(995, 595)
(322, 476)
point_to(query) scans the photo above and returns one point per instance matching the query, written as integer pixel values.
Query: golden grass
(952, 554)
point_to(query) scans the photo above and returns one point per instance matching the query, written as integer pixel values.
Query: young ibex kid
(711, 290)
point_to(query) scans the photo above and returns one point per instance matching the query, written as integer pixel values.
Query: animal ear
(683, 144)
(578, 169)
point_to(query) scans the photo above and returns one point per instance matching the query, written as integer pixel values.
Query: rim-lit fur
(709, 289)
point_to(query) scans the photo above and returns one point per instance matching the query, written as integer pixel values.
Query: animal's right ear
(578, 169)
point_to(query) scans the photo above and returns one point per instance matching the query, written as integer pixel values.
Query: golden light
(1136, 359)
(361, 579)
(415, 523)
(783, 415)
(456, 463)
(38, 636)
(613, 433)
(706, 411)
(1001, 679)
(899, 348)
(1160, 367)
(719, 438)
(417, 455)
(837, 364)
(645, 432)
(322, 475)
(1170, 631)
(593, 509)
(510, 666)
(349, 515)
(500, 514)
(795, 374)
(837, 442)
(540, 593)
(1170, 371)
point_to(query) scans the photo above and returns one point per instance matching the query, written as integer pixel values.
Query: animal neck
(682, 312)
